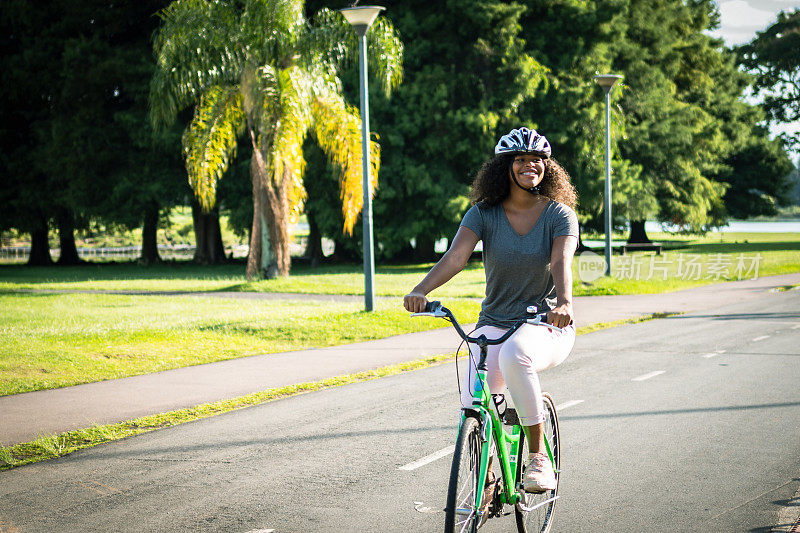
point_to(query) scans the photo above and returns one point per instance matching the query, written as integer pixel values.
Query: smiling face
(528, 169)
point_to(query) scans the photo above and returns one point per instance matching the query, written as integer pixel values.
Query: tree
(75, 149)
(322, 210)
(259, 67)
(758, 177)
(676, 117)
(576, 40)
(76, 83)
(148, 176)
(794, 184)
(466, 73)
(753, 168)
(671, 133)
(26, 53)
(772, 57)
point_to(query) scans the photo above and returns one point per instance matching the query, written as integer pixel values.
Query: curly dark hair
(491, 184)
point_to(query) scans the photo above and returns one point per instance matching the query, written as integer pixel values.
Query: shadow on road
(683, 411)
(771, 317)
(770, 529)
(168, 453)
(794, 503)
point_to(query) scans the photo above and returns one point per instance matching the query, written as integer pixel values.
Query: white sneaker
(539, 475)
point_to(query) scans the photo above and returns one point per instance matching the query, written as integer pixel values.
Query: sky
(741, 19)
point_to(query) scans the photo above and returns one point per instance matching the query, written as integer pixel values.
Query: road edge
(48, 447)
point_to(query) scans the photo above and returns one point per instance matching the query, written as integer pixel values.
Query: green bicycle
(482, 436)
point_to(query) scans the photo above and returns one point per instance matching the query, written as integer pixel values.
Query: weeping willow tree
(259, 68)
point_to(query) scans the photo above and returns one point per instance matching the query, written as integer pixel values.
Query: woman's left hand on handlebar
(560, 316)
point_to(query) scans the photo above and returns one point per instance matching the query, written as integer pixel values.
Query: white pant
(515, 363)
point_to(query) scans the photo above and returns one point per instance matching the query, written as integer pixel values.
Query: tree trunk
(277, 214)
(424, 250)
(149, 236)
(209, 249)
(66, 239)
(581, 247)
(346, 250)
(269, 269)
(404, 254)
(40, 247)
(254, 255)
(314, 245)
(638, 234)
(260, 259)
(216, 246)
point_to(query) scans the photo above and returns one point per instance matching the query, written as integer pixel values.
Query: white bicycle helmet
(523, 141)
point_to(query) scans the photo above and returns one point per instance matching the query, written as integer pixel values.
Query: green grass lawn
(56, 340)
(687, 262)
(170, 276)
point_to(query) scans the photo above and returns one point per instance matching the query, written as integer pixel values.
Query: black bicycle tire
(522, 457)
(471, 427)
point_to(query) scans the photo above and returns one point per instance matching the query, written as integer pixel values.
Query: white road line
(450, 449)
(650, 375)
(761, 338)
(261, 531)
(796, 327)
(428, 458)
(710, 355)
(565, 405)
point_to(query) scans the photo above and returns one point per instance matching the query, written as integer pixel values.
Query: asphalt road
(689, 423)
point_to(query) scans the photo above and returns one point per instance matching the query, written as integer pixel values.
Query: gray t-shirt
(517, 266)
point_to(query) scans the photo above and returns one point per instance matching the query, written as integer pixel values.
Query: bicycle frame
(507, 444)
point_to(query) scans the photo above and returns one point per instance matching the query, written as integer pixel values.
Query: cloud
(740, 14)
(741, 19)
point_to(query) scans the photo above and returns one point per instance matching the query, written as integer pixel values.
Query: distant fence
(20, 254)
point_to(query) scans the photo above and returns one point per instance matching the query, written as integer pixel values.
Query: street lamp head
(361, 17)
(607, 81)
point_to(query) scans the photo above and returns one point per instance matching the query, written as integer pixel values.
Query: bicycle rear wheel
(461, 512)
(535, 512)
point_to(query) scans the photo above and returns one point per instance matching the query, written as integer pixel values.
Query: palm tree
(260, 68)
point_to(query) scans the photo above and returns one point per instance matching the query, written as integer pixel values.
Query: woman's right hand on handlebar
(415, 302)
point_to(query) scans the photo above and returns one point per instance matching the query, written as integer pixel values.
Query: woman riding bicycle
(523, 213)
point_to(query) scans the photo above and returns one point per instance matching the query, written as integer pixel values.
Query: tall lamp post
(607, 81)
(361, 18)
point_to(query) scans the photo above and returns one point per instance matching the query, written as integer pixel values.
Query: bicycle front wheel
(534, 512)
(461, 512)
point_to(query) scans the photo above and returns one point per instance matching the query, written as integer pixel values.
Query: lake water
(742, 226)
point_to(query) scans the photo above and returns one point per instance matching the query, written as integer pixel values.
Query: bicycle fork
(479, 398)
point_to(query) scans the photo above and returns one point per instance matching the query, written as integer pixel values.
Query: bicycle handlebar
(436, 309)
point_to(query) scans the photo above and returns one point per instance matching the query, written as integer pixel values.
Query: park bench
(641, 247)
